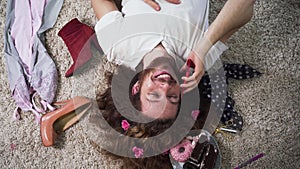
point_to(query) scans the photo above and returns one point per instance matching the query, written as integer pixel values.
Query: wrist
(202, 47)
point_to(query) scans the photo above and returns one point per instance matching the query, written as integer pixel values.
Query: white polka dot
(240, 123)
(240, 77)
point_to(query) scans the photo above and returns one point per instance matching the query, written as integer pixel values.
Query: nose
(164, 85)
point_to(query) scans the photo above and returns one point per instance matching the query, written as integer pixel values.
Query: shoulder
(108, 19)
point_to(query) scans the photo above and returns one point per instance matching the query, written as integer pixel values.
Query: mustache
(171, 63)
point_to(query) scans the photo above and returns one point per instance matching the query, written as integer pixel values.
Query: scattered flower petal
(138, 152)
(195, 114)
(125, 125)
(13, 146)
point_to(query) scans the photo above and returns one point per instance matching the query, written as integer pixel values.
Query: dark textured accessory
(204, 155)
(230, 117)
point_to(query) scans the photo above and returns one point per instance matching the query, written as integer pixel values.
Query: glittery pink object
(138, 152)
(182, 151)
(195, 114)
(125, 125)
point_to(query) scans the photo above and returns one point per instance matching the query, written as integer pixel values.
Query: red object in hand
(190, 64)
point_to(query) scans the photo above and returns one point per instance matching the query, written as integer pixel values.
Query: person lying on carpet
(160, 41)
(143, 49)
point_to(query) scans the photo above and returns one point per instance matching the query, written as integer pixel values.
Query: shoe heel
(65, 116)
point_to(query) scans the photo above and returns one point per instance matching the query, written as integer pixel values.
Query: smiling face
(158, 87)
(159, 95)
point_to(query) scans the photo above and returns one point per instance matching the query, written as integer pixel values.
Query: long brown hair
(143, 130)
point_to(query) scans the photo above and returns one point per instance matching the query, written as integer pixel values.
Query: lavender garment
(30, 68)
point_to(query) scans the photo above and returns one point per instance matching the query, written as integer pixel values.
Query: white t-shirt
(127, 37)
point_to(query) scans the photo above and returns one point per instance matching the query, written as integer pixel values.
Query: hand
(156, 6)
(191, 82)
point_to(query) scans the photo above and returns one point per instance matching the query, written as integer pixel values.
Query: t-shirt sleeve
(101, 30)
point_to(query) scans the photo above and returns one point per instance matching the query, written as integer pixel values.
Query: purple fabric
(30, 68)
(28, 19)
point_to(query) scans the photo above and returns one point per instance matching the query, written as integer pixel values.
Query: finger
(183, 68)
(153, 4)
(188, 79)
(188, 85)
(188, 89)
(174, 1)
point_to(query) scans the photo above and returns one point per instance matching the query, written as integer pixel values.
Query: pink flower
(138, 152)
(125, 125)
(182, 151)
(13, 146)
(195, 114)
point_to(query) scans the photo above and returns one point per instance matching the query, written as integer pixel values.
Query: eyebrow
(153, 101)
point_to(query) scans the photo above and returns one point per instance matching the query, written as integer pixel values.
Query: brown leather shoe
(61, 119)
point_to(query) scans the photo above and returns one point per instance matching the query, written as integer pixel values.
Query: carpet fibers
(270, 104)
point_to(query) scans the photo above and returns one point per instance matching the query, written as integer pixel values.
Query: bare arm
(102, 7)
(233, 15)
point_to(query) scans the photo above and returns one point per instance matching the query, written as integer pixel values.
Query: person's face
(160, 94)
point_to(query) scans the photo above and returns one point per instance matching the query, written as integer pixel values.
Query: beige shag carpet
(270, 104)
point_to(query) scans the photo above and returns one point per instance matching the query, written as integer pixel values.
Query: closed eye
(174, 99)
(153, 96)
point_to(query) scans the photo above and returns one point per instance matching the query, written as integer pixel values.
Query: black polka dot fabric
(237, 71)
(215, 90)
